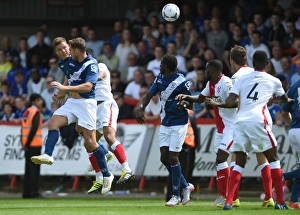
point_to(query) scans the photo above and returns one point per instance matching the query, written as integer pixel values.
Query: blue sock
(295, 190)
(99, 154)
(176, 177)
(183, 182)
(293, 174)
(52, 139)
(102, 146)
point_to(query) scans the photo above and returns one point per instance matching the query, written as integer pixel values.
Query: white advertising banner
(205, 156)
(135, 138)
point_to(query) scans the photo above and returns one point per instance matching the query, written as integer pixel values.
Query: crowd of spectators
(134, 51)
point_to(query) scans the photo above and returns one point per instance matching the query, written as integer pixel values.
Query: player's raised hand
(181, 97)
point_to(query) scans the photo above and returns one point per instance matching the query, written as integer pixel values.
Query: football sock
(235, 178)
(176, 177)
(295, 190)
(292, 174)
(119, 152)
(276, 174)
(222, 178)
(236, 193)
(93, 162)
(266, 179)
(52, 139)
(99, 176)
(100, 158)
(102, 146)
(183, 182)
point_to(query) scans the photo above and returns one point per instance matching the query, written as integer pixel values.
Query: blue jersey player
(174, 123)
(82, 73)
(291, 114)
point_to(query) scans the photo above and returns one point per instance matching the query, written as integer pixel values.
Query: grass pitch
(122, 206)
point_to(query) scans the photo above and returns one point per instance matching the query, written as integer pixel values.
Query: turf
(76, 206)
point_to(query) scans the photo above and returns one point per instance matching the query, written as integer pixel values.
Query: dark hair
(34, 96)
(170, 61)
(239, 55)
(215, 65)
(256, 32)
(260, 60)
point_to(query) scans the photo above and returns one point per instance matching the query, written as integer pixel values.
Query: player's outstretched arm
(230, 102)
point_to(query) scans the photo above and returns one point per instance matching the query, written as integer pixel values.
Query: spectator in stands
(208, 55)
(33, 39)
(19, 86)
(55, 71)
(287, 70)
(75, 32)
(116, 84)
(179, 39)
(153, 22)
(23, 48)
(276, 32)
(246, 6)
(20, 106)
(132, 62)
(116, 38)
(153, 109)
(239, 17)
(196, 62)
(46, 112)
(202, 14)
(275, 112)
(171, 31)
(156, 11)
(8, 113)
(125, 110)
(123, 49)
(36, 83)
(5, 66)
(35, 63)
(93, 43)
(237, 36)
(187, 27)
(133, 88)
(256, 44)
(276, 58)
(290, 35)
(144, 56)
(137, 23)
(108, 57)
(162, 33)
(192, 46)
(41, 49)
(217, 39)
(8, 49)
(171, 49)
(186, 12)
(251, 27)
(153, 42)
(258, 20)
(5, 94)
(146, 33)
(149, 78)
(48, 91)
(270, 69)
(296, 46)
(295, 77)
(16, 66)
(154, 65)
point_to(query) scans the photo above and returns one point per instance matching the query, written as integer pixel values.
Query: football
(170, 12)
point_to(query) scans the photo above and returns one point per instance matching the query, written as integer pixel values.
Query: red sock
(267, 181)
(236, 193)
(222, 181)
(120, 153)
(234, 180)
(278, 184)
(93, 162)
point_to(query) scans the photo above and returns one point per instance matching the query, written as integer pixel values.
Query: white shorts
(294, 137)
(252, 136)
(172, 137)
(107, 115)
(81, 110)
(224, 141)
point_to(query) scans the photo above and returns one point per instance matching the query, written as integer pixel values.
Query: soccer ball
(170, 12)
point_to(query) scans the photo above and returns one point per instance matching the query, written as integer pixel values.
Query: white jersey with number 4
(103, 88)
(254, 90)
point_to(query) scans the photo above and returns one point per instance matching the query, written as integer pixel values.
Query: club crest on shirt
(93, 68)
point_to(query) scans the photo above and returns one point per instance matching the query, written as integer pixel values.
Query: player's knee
(110, 139)
(173, 159)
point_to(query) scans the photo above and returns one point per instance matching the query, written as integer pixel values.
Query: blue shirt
(293, 107)
(273, 109)
(168, 89)
(79, 73)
